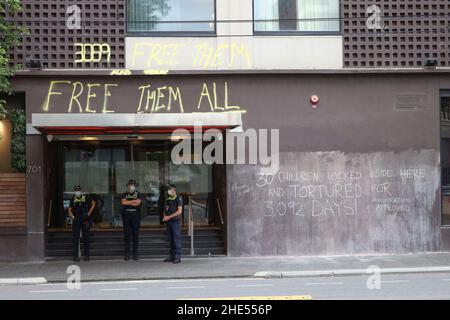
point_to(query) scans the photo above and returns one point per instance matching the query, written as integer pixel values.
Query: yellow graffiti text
(92, 92)
(209, 99)
(156, 53)
(159, 99)
(50, 93)
(95, 52)
(121, 72)
(224, 56)
(156, 72)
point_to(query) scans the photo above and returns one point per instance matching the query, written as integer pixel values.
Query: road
(395, 286)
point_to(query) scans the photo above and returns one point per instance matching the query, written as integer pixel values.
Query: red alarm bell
(314, 100)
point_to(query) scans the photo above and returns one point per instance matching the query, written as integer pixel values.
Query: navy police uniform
(174, 227)
(131, 218)
(80, 209)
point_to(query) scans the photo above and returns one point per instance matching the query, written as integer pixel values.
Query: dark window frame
(170, 33)
(297, 32)
(442, 93)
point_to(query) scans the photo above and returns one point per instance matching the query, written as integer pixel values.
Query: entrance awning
(128, 124)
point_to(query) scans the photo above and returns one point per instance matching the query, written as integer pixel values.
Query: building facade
(359, 91)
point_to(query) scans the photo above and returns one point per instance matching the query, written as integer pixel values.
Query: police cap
(131, 182)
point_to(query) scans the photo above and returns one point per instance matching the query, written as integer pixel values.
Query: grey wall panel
(334, 203)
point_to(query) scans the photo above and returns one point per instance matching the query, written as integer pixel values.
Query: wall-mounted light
(89, 138)
(431, 63)
(5, 146)
(2, 130)
(174, 138)
(34, 64)
(314, 100)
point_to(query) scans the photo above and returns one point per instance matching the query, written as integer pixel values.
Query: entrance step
(152, 243)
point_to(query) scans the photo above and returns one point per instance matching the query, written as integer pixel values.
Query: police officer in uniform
(80, 210)
(172, 218)
(131, 217)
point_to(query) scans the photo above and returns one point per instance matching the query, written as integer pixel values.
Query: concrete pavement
(392, 287)
(226, 267)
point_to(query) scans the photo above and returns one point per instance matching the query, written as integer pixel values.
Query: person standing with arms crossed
(172, 218)
(131, 218)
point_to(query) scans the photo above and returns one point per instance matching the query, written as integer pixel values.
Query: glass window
(193, 178)
(171, 16)
(445, 157)
(296, 16)
(103, 168)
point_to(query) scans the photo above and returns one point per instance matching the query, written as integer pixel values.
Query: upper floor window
(296, 16)
(171, 16)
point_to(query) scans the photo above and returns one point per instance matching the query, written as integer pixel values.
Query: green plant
(10, 35)
(3, 111)
(18, 142)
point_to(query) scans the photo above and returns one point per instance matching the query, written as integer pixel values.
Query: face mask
(77, 194)
(132, 188)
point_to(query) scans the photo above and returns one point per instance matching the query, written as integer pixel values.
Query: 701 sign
(35, 169)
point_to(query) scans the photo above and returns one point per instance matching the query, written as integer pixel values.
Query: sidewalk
(222, 267)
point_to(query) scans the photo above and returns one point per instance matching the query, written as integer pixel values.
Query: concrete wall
(337, 203)
(234, 53)
(234, 47)
(347, 182)
(28, 243)
(379, 162)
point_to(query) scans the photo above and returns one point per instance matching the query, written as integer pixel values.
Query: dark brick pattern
(414, 31)
(103, 21)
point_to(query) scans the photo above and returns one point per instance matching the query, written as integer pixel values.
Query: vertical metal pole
(220, 210)
(113, 220)
(49, 213)
(189, 216)
(191, 226)
(79, 242)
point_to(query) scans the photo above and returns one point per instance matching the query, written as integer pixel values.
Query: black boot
(135, 252)
(87, 256)
(127, 252)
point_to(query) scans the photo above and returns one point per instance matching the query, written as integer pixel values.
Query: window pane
(297, 15)
(171, 15)
(88, 169)
(191, 178)
(146, 173)
(445, 158)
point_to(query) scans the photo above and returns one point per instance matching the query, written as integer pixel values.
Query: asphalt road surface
(396, 286)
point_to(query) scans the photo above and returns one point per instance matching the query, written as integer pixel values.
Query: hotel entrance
(114, 148)
(103, 168)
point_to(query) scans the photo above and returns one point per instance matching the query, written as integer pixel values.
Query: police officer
(172, 218)
(80, 210)
(131, 217)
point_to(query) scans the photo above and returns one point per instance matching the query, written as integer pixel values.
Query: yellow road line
(304, 297)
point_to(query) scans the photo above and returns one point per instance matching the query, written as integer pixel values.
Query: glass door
(103, 168)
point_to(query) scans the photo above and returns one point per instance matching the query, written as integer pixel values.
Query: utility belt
(129, 210)
(84, 216)
(86, 213)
